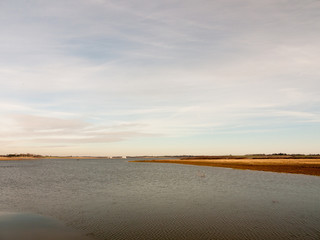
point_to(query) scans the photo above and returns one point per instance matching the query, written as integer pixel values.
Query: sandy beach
(297, 166)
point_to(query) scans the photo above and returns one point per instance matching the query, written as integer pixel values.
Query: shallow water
(27, 226)
(116, 199)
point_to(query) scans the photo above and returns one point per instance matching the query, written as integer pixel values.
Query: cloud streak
(133, 75)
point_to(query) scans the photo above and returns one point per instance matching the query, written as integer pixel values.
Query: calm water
(116, 199)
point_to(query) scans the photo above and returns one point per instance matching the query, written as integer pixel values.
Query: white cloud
(169, 68)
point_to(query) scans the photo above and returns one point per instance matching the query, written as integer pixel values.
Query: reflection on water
(115, 199)
(17, 226)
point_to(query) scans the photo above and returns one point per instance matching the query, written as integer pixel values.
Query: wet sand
(297, 166)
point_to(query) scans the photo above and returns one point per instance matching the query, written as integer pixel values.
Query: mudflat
(297, 166)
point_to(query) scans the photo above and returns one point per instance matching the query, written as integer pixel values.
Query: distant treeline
(259, 156)
(22, 155)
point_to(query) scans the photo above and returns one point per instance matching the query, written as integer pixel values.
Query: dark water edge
(115, 199)
(15, 226)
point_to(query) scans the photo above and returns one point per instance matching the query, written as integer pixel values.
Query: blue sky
(99, 77)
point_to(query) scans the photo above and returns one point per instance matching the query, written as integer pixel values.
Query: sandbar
(297, 166)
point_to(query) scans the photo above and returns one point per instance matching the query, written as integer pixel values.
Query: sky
(160, 77)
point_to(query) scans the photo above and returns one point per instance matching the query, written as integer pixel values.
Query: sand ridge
(297, 166)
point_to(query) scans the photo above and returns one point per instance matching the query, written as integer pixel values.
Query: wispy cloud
(102, 71)
(41, 131)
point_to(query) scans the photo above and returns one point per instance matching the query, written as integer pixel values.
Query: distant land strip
(278, 162)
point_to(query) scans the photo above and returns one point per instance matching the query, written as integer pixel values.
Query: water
(117, 199)
(14, 226)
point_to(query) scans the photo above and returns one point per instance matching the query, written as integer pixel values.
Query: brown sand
(298, 166)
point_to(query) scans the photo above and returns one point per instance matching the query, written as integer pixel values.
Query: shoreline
(18, 158)
(51, 157)
(293, 166)
(309, 166)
